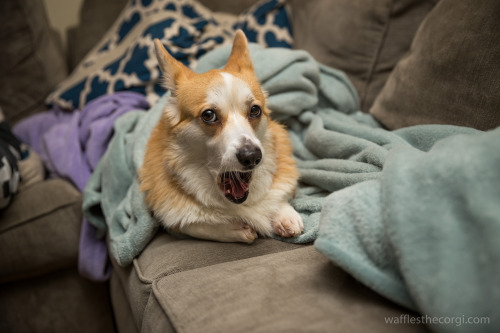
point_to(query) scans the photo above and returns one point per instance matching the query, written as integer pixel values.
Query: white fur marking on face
(233, 95)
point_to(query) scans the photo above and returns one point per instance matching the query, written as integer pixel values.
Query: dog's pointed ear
(239, 60)
(173, 71)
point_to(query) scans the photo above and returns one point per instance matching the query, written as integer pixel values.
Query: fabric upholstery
(452, 73)
(363, 38)
(122, 312)
(167, 255)
(31, 168)
(187, 285)
(58, 302)
(31, 58)
(292, 291)
(39, 231)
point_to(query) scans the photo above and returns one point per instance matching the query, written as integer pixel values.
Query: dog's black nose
(249, 156)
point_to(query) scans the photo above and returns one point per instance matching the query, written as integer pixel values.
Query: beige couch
(186, 285)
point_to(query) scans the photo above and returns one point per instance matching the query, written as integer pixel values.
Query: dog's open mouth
(235, 185)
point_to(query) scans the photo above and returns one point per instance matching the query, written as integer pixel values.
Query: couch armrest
(40, 230)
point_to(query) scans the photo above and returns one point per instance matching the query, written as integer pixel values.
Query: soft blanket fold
(426, 233)
(368, 187)
(112, 200)
(71, 145)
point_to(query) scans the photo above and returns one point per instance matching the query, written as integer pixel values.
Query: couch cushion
(174, 283)
(39, 231)
(122, 310)
(167, 255)
(363, 38)
(31, 58)
(451, 75)
(61, 301)
(297, 290)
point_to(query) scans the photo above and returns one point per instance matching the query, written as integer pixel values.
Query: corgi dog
(216, 166)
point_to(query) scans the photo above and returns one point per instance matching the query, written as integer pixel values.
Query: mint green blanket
(426, 232)
(413, 214)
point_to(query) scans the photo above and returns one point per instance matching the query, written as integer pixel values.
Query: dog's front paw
(287, 223)
(222, 232)
(244, 233)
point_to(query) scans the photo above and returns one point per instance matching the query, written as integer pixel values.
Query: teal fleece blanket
(426, 232)
(414, 214)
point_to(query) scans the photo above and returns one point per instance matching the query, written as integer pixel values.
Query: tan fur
(177, 176)
(286, 174)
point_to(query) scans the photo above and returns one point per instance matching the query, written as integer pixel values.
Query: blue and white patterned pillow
(124, 59)
(267, 23)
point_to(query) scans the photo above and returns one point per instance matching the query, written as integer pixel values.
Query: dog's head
(218, 120)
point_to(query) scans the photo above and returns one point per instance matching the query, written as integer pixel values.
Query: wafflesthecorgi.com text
(430, 320)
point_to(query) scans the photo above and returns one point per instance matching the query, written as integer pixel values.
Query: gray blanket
(413, 214)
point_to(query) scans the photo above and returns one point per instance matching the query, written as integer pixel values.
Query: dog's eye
(255, 111)
(209, 116)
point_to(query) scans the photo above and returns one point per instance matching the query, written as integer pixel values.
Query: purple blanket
(71, 144)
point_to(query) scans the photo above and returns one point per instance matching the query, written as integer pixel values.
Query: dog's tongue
(236, 187)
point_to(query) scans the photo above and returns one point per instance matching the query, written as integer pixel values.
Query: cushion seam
(163, 275)
(122, 287)
(37, 217)
(154, 287)
(144, 279)
(140, 274)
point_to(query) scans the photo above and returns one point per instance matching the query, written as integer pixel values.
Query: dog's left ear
(174, 71)
(239, 60)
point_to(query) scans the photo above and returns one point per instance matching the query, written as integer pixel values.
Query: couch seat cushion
(60, 301)
(297, 290)
(39, 231)
(270, 286)
(167, 255)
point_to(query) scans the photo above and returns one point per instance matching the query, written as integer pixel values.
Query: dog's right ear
(173, 71)
(239, 59)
